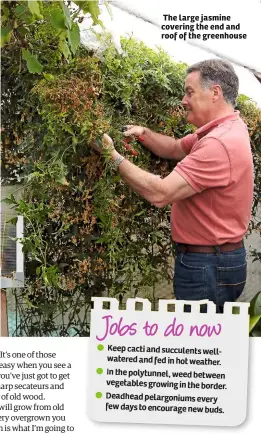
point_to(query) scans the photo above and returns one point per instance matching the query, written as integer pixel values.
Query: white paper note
(162, 367)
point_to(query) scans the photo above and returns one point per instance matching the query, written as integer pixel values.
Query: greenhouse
(71, 228)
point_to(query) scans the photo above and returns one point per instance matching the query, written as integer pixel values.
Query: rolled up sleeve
(207, 166)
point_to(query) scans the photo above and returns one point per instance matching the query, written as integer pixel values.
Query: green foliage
(57, 19)
(5, 35)
(37, 27)
(34, 7)
(255, 316)
(252, 116)
(74, 37)
(91, 7)
(33, 65)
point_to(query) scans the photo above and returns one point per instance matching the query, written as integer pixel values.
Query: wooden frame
(3, 314)
(17, 281)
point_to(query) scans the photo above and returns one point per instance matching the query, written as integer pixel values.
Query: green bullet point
(100, 347)
(99, 370)
(98, 395)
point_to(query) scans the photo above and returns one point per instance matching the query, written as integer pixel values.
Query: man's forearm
(159, 192)
(159, 144)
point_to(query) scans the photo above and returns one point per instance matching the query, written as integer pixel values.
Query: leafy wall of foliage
(86, 232)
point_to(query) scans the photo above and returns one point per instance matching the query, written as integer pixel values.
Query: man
(210, 189)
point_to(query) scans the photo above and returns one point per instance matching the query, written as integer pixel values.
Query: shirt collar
(205, 128)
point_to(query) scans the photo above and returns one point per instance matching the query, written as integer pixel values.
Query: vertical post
(3, 314)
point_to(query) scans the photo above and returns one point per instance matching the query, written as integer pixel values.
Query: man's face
(197, 101)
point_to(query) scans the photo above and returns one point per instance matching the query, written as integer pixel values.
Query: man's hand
(134, 130)
(107, 143)
(159, 144)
